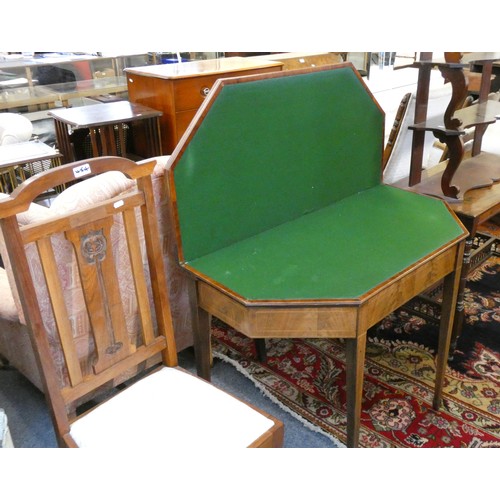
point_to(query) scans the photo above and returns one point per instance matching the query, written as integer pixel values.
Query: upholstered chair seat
(217, 420)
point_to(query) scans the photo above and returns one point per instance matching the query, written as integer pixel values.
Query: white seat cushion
(170, 409)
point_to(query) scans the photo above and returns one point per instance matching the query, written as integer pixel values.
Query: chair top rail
(21, 197)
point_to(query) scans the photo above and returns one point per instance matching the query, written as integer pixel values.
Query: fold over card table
(284, 224)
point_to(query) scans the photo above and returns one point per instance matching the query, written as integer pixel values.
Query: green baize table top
(341, 251)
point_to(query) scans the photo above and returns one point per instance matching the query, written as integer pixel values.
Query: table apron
(345, 319)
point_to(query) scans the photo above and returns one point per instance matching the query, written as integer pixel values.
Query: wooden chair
(162, 405)
(396, 128)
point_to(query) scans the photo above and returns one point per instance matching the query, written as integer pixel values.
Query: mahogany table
(286, 229)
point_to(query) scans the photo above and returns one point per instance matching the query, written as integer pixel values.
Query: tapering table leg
(355, 364)
(451, 287)
(201, 335)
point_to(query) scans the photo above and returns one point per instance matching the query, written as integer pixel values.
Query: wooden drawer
(190, 92)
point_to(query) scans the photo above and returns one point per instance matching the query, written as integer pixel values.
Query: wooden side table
(102, 120)
(178, 90)
(24, 159)
(477, 206)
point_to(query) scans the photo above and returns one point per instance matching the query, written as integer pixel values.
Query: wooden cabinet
(178, 90)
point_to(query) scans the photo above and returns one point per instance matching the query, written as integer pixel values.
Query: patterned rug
(307, 377)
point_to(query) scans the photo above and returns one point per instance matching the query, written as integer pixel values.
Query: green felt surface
(271, 150)
(338, 252)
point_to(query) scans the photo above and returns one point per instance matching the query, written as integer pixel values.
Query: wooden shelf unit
(452, 128)
(469, 183)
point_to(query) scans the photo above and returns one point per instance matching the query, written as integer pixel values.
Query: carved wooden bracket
(459, 82)
(456, 153)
